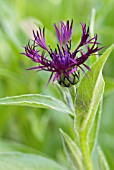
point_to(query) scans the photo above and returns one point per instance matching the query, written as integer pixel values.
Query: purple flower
(63, 64)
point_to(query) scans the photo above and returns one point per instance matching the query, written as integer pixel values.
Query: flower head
(62, 63)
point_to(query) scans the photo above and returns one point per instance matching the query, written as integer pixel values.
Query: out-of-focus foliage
(32, 130)
(19, 161)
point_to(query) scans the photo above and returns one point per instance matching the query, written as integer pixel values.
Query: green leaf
(72, 151)
(19, 161)
(102, 160)
(90, 93)
(36, 100)
(93, 135)
(13, 146)
(90, 90)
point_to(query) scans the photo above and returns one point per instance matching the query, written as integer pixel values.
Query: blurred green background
(37, 130)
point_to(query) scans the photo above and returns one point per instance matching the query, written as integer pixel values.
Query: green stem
(85, 151)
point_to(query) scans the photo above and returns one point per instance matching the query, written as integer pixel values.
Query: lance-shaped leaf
(72, 151)
(102, 160)
(36, 100)
(90, 92)
(19, 161)
(93, 134)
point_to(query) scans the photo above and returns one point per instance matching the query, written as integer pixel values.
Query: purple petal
(40, 38)
(87, 67)
(83, 70)
(49, 79)
(64, 33)
(73, 70)
(56, 77)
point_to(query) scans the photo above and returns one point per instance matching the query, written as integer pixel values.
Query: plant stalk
(85, 151)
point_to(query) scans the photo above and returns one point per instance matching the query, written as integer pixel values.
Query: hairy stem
(85, 151)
